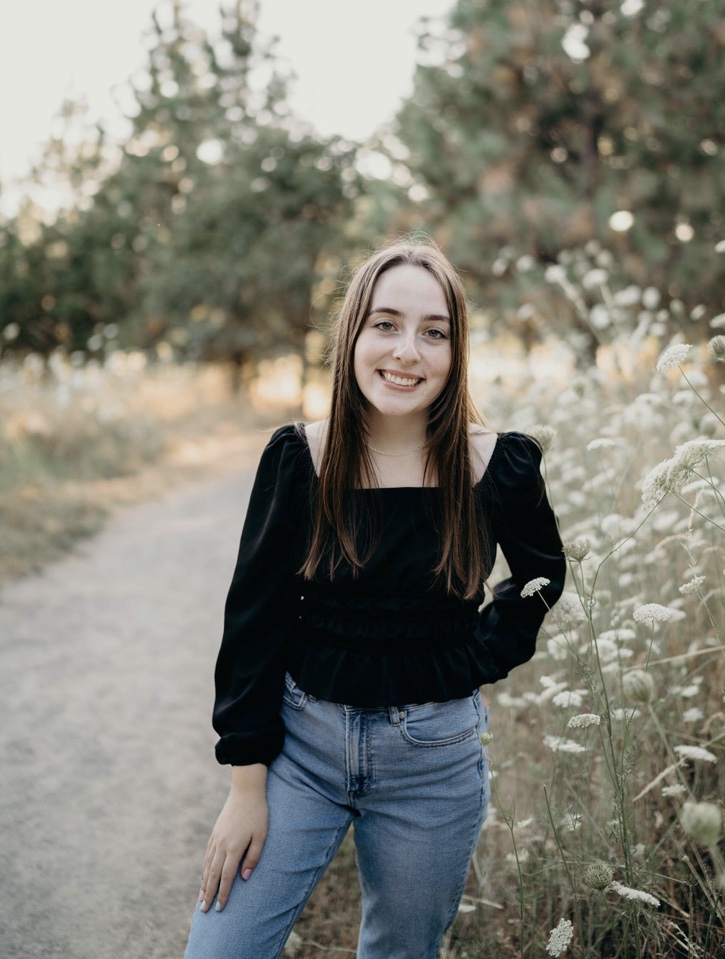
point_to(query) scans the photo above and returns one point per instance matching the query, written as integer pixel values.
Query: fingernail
(201, 895)
(246, 874)
(203, 907)
(218, 907)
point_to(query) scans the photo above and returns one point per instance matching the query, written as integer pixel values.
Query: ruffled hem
(361, 678)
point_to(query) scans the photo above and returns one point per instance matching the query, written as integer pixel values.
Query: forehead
(408, 287)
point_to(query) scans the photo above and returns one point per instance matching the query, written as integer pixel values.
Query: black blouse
(392, 635)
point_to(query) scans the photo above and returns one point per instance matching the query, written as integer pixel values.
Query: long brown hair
(346, 463)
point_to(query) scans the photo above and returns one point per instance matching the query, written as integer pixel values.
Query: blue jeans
(413, 781)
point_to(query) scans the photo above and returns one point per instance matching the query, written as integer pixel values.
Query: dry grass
(76, 443)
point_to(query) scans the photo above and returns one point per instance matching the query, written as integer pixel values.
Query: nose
(406, 349)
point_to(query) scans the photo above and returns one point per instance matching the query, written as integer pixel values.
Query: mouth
(399, 379)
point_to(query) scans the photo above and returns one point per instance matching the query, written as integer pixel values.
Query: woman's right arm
(261, 607)
(260, 612)
(238, 835)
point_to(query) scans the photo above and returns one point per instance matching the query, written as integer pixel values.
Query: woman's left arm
(525, 527)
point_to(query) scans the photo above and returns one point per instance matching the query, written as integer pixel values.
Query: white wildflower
(689, 691)
(673, 356)
(693, 585)
(718, 322)
(551, 689)
(486, 739)
(293, 944)
(702, 821)
(524, 823)
(555, 274)
(693, 715)
(522, 855)
(638, 687)
(584, 720)
(569, 698)
(569, 609)
(621, 635)
(560, 937)
(534, 586)
(560, 744)
(652, 613)
(695, 753)
(571, 821)
(607, 650)
(677, 790)
(594, 278)
(544, 435)
(601, 442)
(720, 246)
(558, 648)
(511, 702)
(716, 348)
(600, 317)
(673, 473)
(634, 894)
(578, 549)
(626, 713)
(650, 296)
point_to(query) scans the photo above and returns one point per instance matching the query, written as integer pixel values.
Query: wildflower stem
(558, 841)
(509, 820)
(694, 509)
(700, 396)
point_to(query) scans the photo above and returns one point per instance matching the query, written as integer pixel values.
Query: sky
(354, 61)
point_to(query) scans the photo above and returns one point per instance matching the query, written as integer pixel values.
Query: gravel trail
(108, 784)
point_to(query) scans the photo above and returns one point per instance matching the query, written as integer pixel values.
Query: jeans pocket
(441, 724)
(293, 696)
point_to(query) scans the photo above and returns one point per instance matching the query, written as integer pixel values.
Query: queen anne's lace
(584, 720)
(634, 894)
(672, 357)
(560, 744)
(560, 937)
(652, 613)
(534, 586)
(673, 473)
(696, 752)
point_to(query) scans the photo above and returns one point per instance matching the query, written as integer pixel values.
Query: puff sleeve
(523, 524)
(261, 606)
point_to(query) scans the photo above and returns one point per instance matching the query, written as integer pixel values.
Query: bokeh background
(172, 248)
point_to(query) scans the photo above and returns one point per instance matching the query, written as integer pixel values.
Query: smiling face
(403, 353)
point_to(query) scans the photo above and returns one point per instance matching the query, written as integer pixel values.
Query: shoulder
(515, 466)
(482, 443)
(283, 450)
(316, 436)
(284, 438)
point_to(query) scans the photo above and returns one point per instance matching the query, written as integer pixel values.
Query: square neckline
(302, 431)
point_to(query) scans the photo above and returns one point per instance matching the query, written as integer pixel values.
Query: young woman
(354, 646)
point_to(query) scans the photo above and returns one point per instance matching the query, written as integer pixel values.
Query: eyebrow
(430, 317)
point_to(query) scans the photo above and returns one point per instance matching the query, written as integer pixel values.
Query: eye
(436, 334)
(385, 325)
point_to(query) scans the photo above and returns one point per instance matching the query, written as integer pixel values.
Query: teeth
(400, 380)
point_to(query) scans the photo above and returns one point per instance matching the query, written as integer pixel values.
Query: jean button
(401, 714)
(312, 699)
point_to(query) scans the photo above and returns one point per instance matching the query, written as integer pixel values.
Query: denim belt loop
(395, 714)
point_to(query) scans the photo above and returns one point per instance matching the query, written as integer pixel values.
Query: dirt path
(108, 786)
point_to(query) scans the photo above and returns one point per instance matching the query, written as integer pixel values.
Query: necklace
(405, 453)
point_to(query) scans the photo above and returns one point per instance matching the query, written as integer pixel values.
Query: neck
(396, 434)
